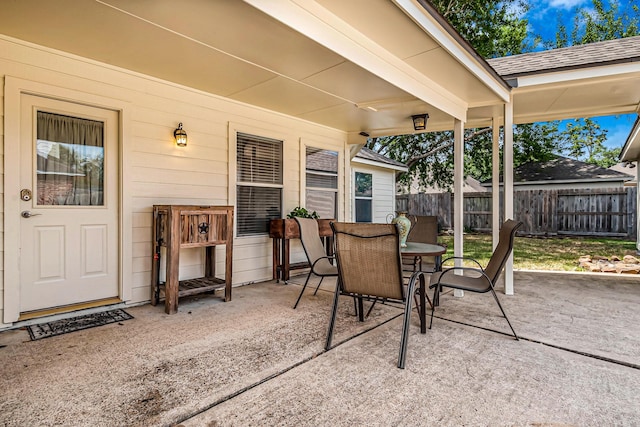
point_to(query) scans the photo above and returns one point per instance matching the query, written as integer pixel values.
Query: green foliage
(599, 22)
(302, 213)
(537, 142)
(492, 27)
(585, 140)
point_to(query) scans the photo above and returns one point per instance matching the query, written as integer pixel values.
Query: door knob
(27, 214)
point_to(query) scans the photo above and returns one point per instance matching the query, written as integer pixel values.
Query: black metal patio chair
(478, 279)
(370, 267)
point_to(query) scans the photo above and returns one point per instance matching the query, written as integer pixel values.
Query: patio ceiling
(361, 65)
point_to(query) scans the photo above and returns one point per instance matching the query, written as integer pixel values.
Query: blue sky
(543, 20)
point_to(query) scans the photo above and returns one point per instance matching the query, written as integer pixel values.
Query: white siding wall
(155, 171)
(383, 191)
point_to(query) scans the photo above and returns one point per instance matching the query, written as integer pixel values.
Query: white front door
(69, 203)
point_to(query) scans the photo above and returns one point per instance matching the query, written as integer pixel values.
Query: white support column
(638, 206)
(458, 195)
(508, 187)
(495, 180)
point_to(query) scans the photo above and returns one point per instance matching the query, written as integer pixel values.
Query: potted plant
(302, 213)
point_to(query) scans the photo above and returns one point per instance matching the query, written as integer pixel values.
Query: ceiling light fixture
(420, 121)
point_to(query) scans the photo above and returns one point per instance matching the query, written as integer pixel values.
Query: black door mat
(59, 327)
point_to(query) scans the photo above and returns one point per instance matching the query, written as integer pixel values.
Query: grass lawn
(556, 253)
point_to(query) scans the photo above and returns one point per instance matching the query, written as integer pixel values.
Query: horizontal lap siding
(383, 191)
(158, 172)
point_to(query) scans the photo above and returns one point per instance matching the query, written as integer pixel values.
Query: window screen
(259, 183)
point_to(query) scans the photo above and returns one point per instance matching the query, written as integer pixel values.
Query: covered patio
(258, 362)
(321, 74)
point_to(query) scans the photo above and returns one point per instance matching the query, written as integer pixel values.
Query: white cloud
(565, 4)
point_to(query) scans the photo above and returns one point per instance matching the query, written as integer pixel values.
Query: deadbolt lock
(25, 194)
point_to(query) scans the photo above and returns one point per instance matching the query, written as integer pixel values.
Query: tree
(597, 23)
(585, 142)
(493, 28)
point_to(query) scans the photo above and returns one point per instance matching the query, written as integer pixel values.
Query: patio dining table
(417, 249)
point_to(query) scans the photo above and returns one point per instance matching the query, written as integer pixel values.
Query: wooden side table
(182, 226)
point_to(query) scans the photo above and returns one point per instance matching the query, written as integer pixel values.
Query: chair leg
(433, 303)
(302, 291)
(360, 309)
(371, 308)
(332, 321)
(422, 308)
(503, 313)
(318, 287)
(405, 325)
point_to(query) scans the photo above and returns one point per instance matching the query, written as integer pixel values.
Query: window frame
(303, 175)
(356, 197)
(233, 169)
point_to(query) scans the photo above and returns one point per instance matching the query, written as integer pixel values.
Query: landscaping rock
(628, 265)
(628, 268)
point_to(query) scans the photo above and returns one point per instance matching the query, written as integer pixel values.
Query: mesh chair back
(313, 248)
(424, 229)
(369, 259)
(503, 249)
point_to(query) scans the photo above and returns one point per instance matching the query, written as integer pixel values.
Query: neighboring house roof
(469, 185)
(565, 170)
(573, 57)
(367, 155)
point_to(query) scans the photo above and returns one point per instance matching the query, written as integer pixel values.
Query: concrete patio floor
(256, 361)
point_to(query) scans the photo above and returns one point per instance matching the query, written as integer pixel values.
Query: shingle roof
(368, 154)
(564, 169)
(579, 56)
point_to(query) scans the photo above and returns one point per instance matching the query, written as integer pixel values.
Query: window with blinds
(259, 183)
(322, 182)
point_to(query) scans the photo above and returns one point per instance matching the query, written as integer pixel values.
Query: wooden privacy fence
(586, 212)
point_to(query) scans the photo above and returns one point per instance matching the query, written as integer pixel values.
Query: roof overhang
(599, 91)
(356, 66)
(631, 149)
(379, 164)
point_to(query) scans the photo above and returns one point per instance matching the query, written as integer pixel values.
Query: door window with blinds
(259, 183)
(69, 160)
(322, 182)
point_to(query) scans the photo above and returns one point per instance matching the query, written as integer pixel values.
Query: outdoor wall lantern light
(420, 121)
(181, 136)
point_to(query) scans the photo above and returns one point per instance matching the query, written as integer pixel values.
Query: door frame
(13, 90)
